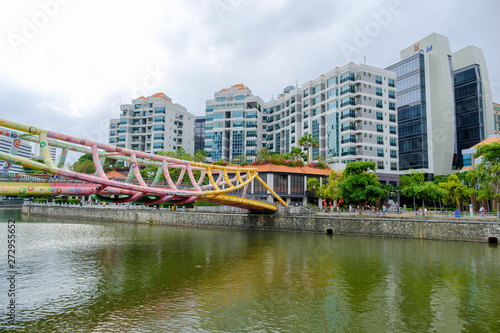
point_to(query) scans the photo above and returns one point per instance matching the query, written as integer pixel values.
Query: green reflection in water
(139, 278)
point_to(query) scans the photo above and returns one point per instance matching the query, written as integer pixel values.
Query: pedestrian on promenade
(482, 210)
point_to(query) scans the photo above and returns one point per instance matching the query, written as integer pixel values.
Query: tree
(264, 154)
(411, 184)
(200, 156)
(454, 190)
(488, 172)
(296, 154)
(360, 186)
(85, 164)
(332, 190)
(308, 141)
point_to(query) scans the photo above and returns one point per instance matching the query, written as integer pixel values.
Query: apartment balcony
(351, 128)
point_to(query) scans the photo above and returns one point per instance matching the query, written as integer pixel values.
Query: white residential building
(153, 125)
(233, 127)
(5, 147)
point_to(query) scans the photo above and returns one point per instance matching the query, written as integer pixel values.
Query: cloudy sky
(67, 65)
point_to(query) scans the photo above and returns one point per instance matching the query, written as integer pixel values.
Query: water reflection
(138, 278)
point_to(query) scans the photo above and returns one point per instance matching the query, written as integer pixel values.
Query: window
(379, 103)
(123, 121)
(237, 114)
(306, 92)
(393, 154)
(159, 128)
(392, 118)
(158, 145)
(314, 112)
(378, 80)
(113, 125)
(380, 128)
(238, 123)
(347, 77)
(251, 124)
(306, 125)
(394, 166)
(332, 93)
(315, 101)
(392, 129)
(306, 114)
(347, 101)
(137, 106)
(347, 89)
(121, 138)
(315, 90)
(112, 140)
(122, 130)
(159, 119)
(380, 140)
(239, 97)
(332, 105)
(393, 142)
(380, 165)
(378, 91)
(251, 143)
(380, 152)
(332, 81)
(392, 106)
(380, 116)
(113, 133)
(159, 110)
(391, 83)
(306, 103)
(159, 136)
(392, 94)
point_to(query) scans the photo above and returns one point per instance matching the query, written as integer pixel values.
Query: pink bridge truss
(220, 181)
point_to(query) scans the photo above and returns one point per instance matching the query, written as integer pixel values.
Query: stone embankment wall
(294, 221)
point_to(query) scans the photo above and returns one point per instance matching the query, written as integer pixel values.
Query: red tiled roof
(115, 174)
(142, 97)
(272, 168)
(487, 141)
(238, 85)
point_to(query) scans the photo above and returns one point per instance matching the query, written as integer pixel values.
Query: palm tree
(308, 141)
(296, 154)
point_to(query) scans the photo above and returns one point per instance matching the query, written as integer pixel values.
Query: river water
(118, 277)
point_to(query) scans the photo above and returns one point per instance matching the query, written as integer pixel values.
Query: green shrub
(61, 201)
(74, 201)
(40, 200)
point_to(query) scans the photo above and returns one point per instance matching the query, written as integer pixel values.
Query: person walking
(482, 210)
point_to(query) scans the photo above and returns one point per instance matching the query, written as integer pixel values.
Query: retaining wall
(391, 226)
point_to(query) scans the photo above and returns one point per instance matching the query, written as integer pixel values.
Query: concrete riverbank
(390, 226)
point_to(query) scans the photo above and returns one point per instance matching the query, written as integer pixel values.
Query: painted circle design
(33, 129)
(134, 165)
(42, 144)
(98, 187)
(31, 188)
(4, 132)
(52, 190)
(17, 143)
(6, 165)
(22, 190)
(58, 190)
(91, 190)
(71, 189)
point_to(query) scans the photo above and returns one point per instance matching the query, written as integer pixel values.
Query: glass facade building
(468, 110)
(412, 115)
(199, 133)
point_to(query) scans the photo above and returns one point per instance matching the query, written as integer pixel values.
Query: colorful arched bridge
(218, 189)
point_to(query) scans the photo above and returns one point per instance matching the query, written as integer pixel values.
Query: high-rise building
(199, 133)
(444, 104)
(233, 127)
(350, 110)
(24, 150)
(153, 125)
(496, 110)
